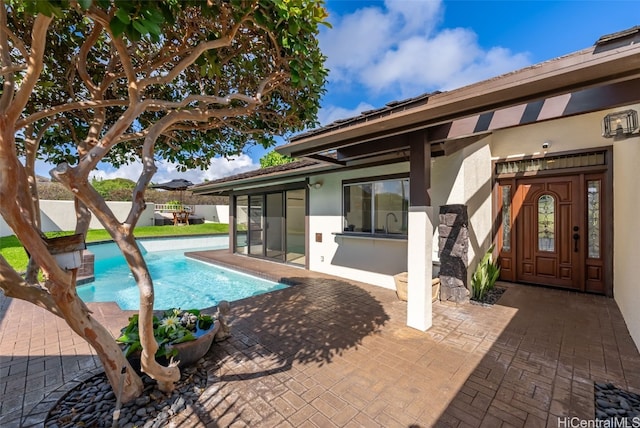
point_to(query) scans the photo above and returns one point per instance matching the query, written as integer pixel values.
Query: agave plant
(485, 276)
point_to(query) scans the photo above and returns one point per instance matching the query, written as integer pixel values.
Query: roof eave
(561, 75)
(228, 186)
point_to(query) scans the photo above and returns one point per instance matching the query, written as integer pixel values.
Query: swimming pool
(179, 282)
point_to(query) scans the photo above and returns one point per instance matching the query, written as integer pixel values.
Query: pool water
(179, 282)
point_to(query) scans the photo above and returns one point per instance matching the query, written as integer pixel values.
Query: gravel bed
(491, 297)
(92, 403)
(613, 403)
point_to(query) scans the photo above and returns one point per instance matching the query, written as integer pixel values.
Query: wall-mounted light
(620, 124)
(315, 185)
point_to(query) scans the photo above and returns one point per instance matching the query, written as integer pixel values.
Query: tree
(274, 158)
(105, 187)
(89, 81)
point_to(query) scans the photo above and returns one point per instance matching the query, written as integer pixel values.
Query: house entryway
(556, 228)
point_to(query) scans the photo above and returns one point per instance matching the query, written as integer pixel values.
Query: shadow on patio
(542, 366)
(278, 341)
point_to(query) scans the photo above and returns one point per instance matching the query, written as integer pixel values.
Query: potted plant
(185, 335)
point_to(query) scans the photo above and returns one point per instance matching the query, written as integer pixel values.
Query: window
(376, 207)
(593, 218)
(546, 223)
(506, 218)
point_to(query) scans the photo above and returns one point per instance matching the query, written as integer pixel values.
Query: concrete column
(419, 246)
(420, 265)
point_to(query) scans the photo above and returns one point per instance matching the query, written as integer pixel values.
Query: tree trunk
(165, 376)
(61, 285)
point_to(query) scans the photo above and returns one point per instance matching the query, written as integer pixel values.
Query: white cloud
(218, 168)
(398, 49)
(331, 113)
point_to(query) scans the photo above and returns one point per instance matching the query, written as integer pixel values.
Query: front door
(557, 231)
(548, 231)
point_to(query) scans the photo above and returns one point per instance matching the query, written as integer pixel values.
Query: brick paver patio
(330, 352)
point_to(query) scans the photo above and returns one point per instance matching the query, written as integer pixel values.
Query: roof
(225, 184)
(614, 56)
(603, 76)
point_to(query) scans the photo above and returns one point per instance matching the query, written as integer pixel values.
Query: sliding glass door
(272, 225)
(295, 230)
(256, 225)
(274, 222)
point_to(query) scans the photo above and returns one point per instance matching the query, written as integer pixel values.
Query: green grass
(11, 249)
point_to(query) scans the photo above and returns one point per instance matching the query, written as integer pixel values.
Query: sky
(381, 51)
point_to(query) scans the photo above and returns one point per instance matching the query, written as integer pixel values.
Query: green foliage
(276, 41)
(105, 187)
(274, 158)
(174, 205)
(484, 277)
(175, 326)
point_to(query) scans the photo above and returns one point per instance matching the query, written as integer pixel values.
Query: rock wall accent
(453, 248)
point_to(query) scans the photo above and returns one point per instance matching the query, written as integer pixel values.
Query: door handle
(576, 237)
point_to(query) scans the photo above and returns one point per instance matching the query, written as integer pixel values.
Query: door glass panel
(546, 223)
(593, 218)
(295, 214)
(275, 218)
(506, 218)
(242, 223)
(256, 229)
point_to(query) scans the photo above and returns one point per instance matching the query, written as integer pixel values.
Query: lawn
(11, 249)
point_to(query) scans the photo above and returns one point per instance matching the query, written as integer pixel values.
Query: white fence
(60, 215)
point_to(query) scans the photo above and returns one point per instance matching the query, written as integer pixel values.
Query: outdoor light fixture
(315, 185)
(620, 124)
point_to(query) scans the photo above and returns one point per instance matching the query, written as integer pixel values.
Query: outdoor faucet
(386, 221)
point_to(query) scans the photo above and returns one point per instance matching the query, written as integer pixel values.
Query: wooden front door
(557, 232)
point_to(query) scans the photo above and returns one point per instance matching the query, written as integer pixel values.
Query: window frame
(372, 181)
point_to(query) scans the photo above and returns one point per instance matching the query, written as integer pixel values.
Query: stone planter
(402, 281)
(188, 352)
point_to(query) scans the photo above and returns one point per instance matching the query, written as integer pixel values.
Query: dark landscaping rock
(615, 404)
(80, 407)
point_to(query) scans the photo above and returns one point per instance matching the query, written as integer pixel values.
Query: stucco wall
(213, 213)
(465, 178)
(374, 261)
(462, 178)
(584, 132)
(60, 215)
(573, 133)
(626, 269)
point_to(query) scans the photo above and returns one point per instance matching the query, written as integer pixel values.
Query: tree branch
(5, 58)
(14, 286)
(79, 105)
(35, 65)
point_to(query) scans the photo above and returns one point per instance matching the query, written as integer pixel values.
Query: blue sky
(380, 51)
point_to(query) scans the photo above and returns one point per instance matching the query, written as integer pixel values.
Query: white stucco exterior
(466, 177)
(626, 239)
(371, 260)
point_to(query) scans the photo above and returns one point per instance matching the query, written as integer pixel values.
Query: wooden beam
(327, 159)
(419, 170)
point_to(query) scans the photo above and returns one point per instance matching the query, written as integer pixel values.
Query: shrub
(484, 277)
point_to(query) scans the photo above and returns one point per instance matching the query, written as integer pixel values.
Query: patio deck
(331, 352)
